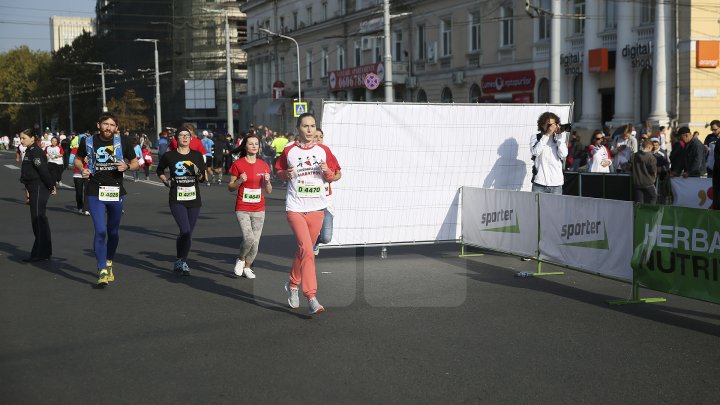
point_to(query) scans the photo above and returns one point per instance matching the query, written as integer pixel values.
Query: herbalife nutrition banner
(500, 220)
(591, 234)
(677, 250)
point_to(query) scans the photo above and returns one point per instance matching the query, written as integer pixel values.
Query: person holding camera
(548, 148)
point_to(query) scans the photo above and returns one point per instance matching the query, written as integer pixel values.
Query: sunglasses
(599, 139)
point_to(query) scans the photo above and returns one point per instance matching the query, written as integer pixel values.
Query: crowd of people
(675, 152)
(100, 160)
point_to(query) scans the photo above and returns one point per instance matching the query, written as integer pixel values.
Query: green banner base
(637, 301)
(463, 254)
(540, 273)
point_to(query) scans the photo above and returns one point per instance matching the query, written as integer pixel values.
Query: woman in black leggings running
(187, 169)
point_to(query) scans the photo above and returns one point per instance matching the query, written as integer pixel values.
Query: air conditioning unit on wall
(458, 77)
(366, 43)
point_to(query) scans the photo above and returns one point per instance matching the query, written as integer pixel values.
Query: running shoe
(185, 269)
(81, 212)
(315, 307)
(239, 266)
(103, 280)
(178, 267)
(220, 180)
(86, 213)
(248, 273)
(316, 249)
(293, 299)
(109, 265)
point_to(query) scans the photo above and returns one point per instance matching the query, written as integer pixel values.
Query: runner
(187, 168)
(209, 145)
(218, 158)
(247, 175)
(35, 174)
(305, 165)
(326, 230)
(80, 183)
(54, 154)
(106, 154)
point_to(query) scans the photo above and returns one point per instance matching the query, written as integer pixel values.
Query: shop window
(543, 91)
(474, 93)
(446, 95)
(577, 97)
(422, 96)
(646, 93)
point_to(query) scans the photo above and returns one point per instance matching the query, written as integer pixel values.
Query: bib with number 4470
(309, 188)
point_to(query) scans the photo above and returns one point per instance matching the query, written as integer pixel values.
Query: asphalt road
(422, 326)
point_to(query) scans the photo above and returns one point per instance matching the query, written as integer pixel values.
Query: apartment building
(618, 61)
(64, 30)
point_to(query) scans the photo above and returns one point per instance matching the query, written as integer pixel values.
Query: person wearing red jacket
(195, 143)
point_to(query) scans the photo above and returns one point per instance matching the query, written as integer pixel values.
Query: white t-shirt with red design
(306, 190)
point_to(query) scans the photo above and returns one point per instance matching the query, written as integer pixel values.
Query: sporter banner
(591, 234)
(500, 220)
(677, 250)
(403, 164)
(692, 192)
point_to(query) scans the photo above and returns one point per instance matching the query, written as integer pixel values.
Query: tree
(20, 73)
(130, 111)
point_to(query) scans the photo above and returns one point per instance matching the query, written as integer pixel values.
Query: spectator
(598, 154)
(576, 153)
(548, 147)
(644, 173)
(694, 156)
(710, 141)
(624, 148)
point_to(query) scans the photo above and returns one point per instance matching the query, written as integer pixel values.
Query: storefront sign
(352, 78)
(508, 82)
(572, 63)
(640, 54)
(598, 62)
(707, 54)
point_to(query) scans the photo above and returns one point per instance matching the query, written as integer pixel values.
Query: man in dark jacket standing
(694, 154)
(644, 172)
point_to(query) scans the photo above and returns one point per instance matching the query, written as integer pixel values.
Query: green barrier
(677, 250)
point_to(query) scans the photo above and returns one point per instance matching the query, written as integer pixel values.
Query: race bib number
(109, 193)
(310, 189)
(251, 195)
(186, 193)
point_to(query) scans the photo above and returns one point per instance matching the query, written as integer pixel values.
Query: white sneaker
(239, 266)
(248, 273)
(315, 307)
(293, 299)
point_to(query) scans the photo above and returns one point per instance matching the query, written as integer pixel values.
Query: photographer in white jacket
(548, 148)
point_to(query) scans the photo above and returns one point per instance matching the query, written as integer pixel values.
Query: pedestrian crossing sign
(300, 108)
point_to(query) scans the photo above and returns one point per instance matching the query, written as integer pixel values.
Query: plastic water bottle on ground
(383, 252)
(523, 274)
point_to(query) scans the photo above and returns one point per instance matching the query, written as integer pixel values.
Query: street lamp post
(102, 75)
(158, 112)
(228, 75)
(69, 80)
(297, 47)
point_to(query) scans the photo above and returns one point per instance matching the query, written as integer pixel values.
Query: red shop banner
(508, 82)
(352, 78)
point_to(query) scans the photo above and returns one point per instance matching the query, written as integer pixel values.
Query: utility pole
(388, 53)
(102, 75)
(158, 112)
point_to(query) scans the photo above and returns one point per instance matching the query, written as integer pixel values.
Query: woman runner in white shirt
(306, 165)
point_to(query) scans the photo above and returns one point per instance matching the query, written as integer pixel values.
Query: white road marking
(13, 167)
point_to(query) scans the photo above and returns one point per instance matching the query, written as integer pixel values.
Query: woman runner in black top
(35, 174)
(187, 169)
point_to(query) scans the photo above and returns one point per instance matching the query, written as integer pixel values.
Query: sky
(27, 22)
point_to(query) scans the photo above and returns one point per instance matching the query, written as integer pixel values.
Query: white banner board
(403, 164)
(692, 192)
(502, 220)
(591, 234)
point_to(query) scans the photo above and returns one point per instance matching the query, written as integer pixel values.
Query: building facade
(191, 53)
(618, 61)
(64, 30)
